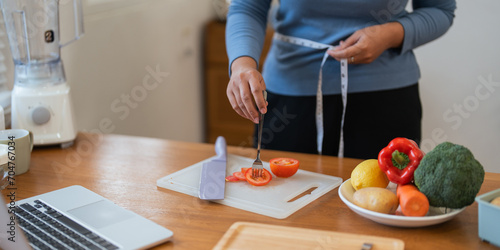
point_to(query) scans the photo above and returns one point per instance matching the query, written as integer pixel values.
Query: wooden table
(125, 169)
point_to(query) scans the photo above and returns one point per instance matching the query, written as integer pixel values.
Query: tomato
(244, 170)
(284, 167)
(231, 178)
(240, 176)
(259, 181)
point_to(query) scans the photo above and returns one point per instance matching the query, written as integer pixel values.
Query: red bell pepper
(400, 159)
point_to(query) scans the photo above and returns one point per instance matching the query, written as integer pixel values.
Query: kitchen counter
(125, 169)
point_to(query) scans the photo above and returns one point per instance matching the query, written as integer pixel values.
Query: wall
(137, 69)
(460, 85)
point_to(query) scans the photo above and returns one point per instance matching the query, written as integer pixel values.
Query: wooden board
(246, 235)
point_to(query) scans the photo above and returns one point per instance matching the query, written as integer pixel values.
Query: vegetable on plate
(400, 159)
(412, 201)
(449, 176)
(376, 199)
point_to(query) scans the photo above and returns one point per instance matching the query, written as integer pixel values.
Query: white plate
(435, 215)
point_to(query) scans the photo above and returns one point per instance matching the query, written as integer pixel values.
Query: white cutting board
(272, 200)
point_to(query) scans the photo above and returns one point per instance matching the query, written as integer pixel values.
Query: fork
(257, 164)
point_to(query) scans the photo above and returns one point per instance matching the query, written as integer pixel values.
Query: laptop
(74, 218)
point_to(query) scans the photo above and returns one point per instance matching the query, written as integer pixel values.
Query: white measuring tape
(319, 93)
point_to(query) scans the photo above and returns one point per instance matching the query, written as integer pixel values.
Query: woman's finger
(234, 96)
(248, 103)
(258, 88)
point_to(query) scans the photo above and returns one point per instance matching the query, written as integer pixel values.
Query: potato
(376, 199)
(496, 201)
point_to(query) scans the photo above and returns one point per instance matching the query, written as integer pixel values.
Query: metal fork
(257, 164)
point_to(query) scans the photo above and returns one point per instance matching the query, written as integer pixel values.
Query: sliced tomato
(232, 178)
(239, 175)
(244, 170)
(259, 181)
(284, 167)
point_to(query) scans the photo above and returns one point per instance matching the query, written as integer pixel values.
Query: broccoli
(449, 176)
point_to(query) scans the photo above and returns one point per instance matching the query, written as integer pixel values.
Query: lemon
(368, 174)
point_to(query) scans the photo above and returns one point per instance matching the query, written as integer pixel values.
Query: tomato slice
(231, 178)
(240, 176)
(284, 167)
(259, 181)
(244, 170)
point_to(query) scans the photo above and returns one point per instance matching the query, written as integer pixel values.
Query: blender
(41, 99)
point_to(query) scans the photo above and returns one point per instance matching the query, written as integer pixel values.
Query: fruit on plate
(376, 199)
(496, 201)
(284, 167)
(368, 174)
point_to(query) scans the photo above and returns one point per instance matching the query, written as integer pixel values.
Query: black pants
(372, 120)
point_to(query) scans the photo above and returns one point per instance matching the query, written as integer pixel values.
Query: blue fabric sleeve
(246, 29)
(429, 20)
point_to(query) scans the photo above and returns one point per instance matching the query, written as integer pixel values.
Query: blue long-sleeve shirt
(293, 70)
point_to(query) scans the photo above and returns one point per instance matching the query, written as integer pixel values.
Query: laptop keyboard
(45, 228)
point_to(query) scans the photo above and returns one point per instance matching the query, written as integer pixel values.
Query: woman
(305, 106)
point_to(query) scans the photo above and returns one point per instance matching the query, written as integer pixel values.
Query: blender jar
(33, 30)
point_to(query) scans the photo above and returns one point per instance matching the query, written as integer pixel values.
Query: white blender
(41, 99)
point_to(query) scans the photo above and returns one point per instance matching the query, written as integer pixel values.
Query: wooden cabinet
(221, 119)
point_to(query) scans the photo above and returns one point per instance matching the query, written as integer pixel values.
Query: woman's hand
(245, 89)
(365, 45)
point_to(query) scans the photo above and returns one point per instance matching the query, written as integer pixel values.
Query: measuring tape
(319, 93)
